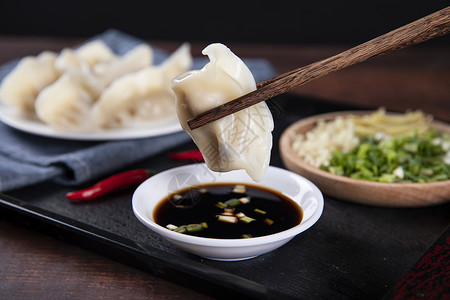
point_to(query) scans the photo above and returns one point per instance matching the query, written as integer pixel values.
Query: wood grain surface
(37, 266)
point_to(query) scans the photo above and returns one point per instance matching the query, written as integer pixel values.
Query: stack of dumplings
(91, 88)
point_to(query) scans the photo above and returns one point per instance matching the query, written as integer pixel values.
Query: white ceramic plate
(33, 125)
(292, 185)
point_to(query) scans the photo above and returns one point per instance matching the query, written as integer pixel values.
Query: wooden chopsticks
(431, 26)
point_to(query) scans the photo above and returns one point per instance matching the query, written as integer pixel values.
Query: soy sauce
(269, 211)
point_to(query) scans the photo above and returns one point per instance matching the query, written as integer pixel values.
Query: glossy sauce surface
(204, 203)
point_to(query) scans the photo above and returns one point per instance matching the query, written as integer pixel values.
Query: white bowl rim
(215, 242)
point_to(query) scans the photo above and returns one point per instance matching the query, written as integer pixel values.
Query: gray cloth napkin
(27, 159)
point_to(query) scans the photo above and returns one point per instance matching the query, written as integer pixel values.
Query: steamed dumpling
(95, 52)
(142, 96)
(66, 104)
(20, 88)
(134, 98)
(86, 56)
(178, 62)
(97, 59)
(138, 58)
(242, 140)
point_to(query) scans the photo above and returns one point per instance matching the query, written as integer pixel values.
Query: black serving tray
(352, 252)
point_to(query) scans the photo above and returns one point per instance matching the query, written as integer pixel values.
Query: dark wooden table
(38, 266)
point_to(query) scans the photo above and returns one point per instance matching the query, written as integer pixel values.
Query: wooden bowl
(361, 191)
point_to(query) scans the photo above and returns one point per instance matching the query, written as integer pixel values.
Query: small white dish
(31, 124)
(292, 185)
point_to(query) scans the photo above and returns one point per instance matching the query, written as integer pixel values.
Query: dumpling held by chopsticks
(242, 140)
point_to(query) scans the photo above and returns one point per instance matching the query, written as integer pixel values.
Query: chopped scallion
(171, 227)
(227, 219)
(240, 215)
(188, 228)
(228, 210)
(233, 202)
(181, 229)
(409, 158)
(260, 211)
(194, 227)
(244, 200)
(240, 189)
(246, 219)
(221, 205)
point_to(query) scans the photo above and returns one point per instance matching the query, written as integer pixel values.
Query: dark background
(299, 22)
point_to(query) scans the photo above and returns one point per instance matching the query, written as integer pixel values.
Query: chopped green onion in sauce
(227, 211)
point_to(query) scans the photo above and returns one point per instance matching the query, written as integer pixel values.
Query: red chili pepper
(112, 183)
(189, 155)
